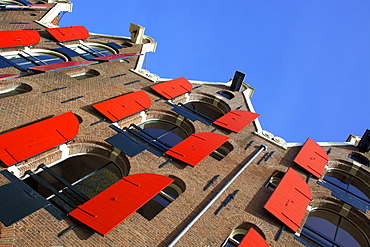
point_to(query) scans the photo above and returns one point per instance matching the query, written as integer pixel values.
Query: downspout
(262, 148)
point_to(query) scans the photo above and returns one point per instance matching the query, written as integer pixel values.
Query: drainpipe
(262, 148)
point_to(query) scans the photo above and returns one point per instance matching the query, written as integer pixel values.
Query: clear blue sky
(309, 61)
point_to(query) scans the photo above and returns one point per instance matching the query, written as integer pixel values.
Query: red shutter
(171, 89)
(68, 33)
(236, 120)
(23, 143)
(59, 66)
(7, 76)
(112, 206)
(253, 239)
(312, 157)
(196, 147)
(123, 106)
(290, 199)
(16, 38)
(114, 57)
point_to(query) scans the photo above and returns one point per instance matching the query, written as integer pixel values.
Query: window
(237, 235)
(165, 131)
(163, 199)
(32, 57)
(327, 228)
(89, 174)
(348, 184)
(91, 50)
(87, 74)
(274, 180)
(359, 158)
(14, 90)
(226, 94)
(206, 109)
(222, 151)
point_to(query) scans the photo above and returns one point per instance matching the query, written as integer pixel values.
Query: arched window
(359, 158)
(163, 199)
(86, 74)
(237, 235)
(222, 151)
(348, 184)
(14, 90)
(274, 180)
(226, 94)
(206, 109)
(165, 131)
(327, 228)
(34, 57)
(92, 50)
(89, 174)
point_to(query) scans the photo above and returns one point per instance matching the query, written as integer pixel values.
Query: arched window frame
(32, 57)
(91, 50)
(356, 157)
(163, 199)
(345, 194)
(314, 237)
(274, 180)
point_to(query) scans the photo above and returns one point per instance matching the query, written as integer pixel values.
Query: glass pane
(337, 178)
(206, 109)
(164, 131)
(350, 235)
(324, 222)
(360, 189)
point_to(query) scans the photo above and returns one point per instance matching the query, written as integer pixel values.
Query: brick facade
(41, 228)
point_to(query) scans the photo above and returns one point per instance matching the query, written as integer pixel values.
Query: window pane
(339, 179)
(360, 189)
(349, 235)
(324, 222)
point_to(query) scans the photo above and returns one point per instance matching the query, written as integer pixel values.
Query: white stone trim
(54, 12)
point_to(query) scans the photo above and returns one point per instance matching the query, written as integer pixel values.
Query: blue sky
(309, 61)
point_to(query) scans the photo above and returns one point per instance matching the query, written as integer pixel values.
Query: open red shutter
(112, 206)
(236, 120)
(7, 76)
(23, 143)
(16, 38)
(123, 106)
(59, 66)
(114, 57)
(290, 199)
(253, 239)
(68, 33)
(312, 157)
(171, 89)
(196, 147)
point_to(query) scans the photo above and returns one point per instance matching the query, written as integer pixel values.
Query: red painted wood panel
(290, 199)
(23, 143)
(68, 33)
(171, 89)
(16, 38)
(7, 76)
(59, 66)
(312, 157)
(114, 57)
(112, 206)
(196, 147)
(123, 106)
(236, 120)
(253, 239)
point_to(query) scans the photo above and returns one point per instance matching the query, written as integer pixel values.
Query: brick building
(96, 151)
